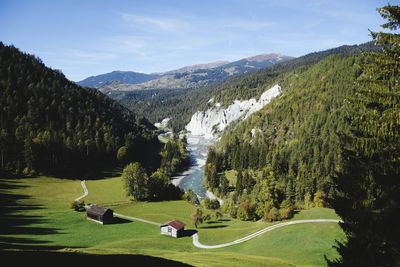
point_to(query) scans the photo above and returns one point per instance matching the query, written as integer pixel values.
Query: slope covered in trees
(288, 153)
(49, 124)
(181, 104)
(368, 184)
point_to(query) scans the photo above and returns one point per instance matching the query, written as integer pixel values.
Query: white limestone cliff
(214, 120)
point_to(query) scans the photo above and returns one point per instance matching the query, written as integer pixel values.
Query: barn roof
(178, 225)
(97, 210)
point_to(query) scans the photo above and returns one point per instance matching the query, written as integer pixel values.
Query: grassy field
(39, 218)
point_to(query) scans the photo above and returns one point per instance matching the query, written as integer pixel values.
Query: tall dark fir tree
(368, 183)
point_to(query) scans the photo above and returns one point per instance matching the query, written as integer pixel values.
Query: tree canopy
(368, 181)
(51, 125)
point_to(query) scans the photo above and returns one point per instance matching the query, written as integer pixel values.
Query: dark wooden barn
(100, 214)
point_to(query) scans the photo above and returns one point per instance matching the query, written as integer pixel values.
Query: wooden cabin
(174, 228)
(99, 214)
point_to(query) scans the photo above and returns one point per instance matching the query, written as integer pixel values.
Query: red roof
(178, 225)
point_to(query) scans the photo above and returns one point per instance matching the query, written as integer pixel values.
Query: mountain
(50, 125)
(200, 75)
(192, 68)
(290, 148)
(216, 119)
(125, 77)
(180, 104)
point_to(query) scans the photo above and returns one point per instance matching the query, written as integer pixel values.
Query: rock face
(214, 120)
(163, 124)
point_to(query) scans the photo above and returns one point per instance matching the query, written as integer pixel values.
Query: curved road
(195, 237)
(260, 232)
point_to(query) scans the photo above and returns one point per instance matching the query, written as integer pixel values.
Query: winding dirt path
(85, 191)
(197, 243)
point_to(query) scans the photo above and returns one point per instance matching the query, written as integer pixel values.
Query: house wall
(168, 230)
(164, 230)
(174, 232)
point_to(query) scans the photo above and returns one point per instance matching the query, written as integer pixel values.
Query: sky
(86, 37)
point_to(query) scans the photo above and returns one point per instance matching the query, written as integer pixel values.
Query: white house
(174, 228)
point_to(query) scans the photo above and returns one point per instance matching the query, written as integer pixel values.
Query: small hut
(99, 214)
(174, 228)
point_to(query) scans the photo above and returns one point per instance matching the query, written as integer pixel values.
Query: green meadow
(39, 218)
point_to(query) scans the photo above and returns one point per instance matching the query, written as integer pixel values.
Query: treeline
(288, 154)
(50, 125)
(254, 84)
(175, 156)
(177, 104)
(145, 185)
(368, 184)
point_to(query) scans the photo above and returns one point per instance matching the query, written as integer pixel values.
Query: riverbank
(193, 177)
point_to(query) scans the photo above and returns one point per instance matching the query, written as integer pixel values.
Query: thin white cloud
(161, 23)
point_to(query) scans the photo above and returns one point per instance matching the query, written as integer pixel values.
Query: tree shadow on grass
(80, 259)
(213, 222)
(213, 226)
(16, 220)
(103, 173)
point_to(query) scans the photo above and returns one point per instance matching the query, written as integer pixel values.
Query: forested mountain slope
(290, 149)
(49, 124)
(181, 104)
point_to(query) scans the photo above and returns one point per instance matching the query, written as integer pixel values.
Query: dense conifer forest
(291, 146)
(50, 125)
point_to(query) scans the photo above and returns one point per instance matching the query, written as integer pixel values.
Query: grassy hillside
(43, 207)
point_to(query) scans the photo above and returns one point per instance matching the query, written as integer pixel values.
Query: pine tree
(368, 200)
(239, 182)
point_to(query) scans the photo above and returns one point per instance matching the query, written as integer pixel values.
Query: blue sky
(87, 37)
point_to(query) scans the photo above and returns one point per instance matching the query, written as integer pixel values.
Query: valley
(158, 134)
(66, 230)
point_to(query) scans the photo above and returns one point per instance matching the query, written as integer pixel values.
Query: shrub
(319, 199)
(264, 208)
(218, 215)
(197, 217)
(191, 197)
(273, 215)
(286, 204)
(308, 203)
(78, 205)
(285, 213)
(212, 204)
(246, 211)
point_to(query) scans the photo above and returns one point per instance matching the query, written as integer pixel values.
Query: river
(193, 177)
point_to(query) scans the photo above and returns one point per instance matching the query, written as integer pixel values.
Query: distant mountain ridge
(180, 104)
(200, 75)
(195, 67)
(183, 78)
(128, 77)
